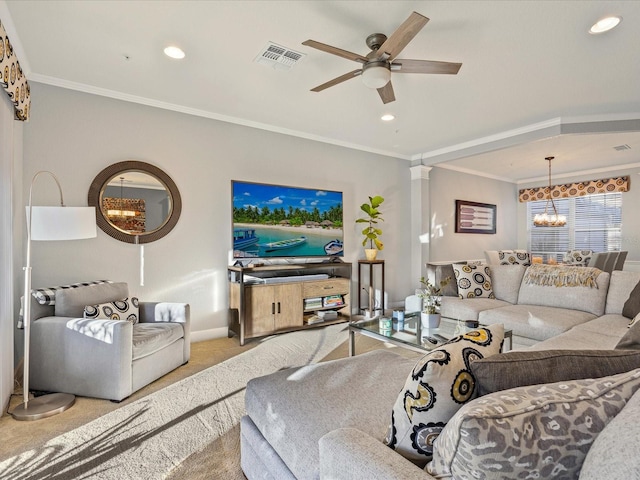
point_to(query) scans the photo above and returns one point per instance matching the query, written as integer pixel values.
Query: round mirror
(135, 202)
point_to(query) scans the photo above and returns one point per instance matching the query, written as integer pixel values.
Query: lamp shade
(376, 76)
(62, 223)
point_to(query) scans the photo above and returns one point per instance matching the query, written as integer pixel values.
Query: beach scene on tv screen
(281, 221)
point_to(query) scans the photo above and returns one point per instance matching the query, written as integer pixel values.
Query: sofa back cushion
(506, 280)
(521, 368)
(71, 302)
(545, 430)
(590, 299)
(620, 287)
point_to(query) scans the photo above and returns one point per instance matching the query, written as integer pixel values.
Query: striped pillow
(47, 296)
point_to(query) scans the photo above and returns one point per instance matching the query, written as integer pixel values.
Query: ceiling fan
(378, 64)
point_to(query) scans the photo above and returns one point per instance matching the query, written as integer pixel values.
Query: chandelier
(121, 212)
(546, 219)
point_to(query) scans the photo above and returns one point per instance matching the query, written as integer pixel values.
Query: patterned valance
(12, 79)
(580, 189)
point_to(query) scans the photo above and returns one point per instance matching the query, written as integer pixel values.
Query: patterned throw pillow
(119, 310)
(577, 257)
(474, 281)
(514, 257)
(436, 388)
(47, 296)
(539, 431)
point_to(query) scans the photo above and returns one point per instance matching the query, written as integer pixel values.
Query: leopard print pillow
(540, 431)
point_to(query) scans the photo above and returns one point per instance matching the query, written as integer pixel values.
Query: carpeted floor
(183, 426)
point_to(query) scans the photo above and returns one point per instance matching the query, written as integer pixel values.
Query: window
(594, 223)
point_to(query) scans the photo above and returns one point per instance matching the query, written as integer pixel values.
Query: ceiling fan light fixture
(376, 74)
(387, 117)
(605, 24)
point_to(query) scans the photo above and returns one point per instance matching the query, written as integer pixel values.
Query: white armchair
(105, 358)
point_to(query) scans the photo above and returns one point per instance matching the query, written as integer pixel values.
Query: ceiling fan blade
(402, 36)
(337, 80)
(386, 93)
(424, 66)
(335, 51)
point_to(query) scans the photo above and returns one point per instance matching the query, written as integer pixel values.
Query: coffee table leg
(352, 343)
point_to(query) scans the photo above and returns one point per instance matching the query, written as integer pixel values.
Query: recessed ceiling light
(174, 52)
(387, 117)
(605, 24)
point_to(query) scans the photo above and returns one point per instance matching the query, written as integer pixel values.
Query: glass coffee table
(411, 336)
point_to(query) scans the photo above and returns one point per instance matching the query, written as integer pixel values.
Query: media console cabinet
(282, 298)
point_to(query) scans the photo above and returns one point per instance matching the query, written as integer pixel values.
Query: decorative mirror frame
(100, 183)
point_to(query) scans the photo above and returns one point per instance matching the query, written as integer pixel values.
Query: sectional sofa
(330, 420)
(545, 313)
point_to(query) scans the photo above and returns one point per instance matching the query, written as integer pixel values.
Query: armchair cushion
(71, 302)
(117, 310)
(149, 338)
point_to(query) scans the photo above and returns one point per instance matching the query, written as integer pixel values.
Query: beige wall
(76, 135)
(447, 186)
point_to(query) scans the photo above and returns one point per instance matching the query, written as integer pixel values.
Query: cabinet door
(259, 303)
(288, 298)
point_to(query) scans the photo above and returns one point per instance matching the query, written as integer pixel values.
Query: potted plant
(372, 232)
(431, 298)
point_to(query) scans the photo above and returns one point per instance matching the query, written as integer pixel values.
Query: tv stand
(289, 301)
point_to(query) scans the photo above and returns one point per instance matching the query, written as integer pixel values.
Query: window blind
(594, 222)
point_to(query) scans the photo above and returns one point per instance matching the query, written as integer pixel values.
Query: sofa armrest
(350, 454)
(151, 312)
(61, 345)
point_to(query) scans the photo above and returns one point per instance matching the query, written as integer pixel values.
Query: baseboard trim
(202, 335)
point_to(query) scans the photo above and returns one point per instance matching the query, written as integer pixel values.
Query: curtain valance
(12, 79)
(579, 189)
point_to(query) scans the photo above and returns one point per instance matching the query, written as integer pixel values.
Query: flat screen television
(280, 221)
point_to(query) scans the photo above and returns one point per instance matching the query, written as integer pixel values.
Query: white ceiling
(528, 69)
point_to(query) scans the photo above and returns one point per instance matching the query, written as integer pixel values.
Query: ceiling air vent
(622, 147)
(278, 57)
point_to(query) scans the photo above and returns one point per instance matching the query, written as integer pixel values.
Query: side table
(371, 264)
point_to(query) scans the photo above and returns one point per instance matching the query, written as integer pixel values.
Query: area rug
(150, 438)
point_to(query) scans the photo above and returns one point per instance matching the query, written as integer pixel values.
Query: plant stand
(370, 264)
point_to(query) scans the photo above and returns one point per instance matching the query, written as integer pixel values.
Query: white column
(420, 221)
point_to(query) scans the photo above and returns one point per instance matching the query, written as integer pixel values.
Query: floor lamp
(48, 223)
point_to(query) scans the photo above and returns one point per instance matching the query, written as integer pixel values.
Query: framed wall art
(474, 217)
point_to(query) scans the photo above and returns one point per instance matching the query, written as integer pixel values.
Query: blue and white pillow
(126, 309)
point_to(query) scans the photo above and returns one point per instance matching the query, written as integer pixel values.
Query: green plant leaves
(371, 233)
